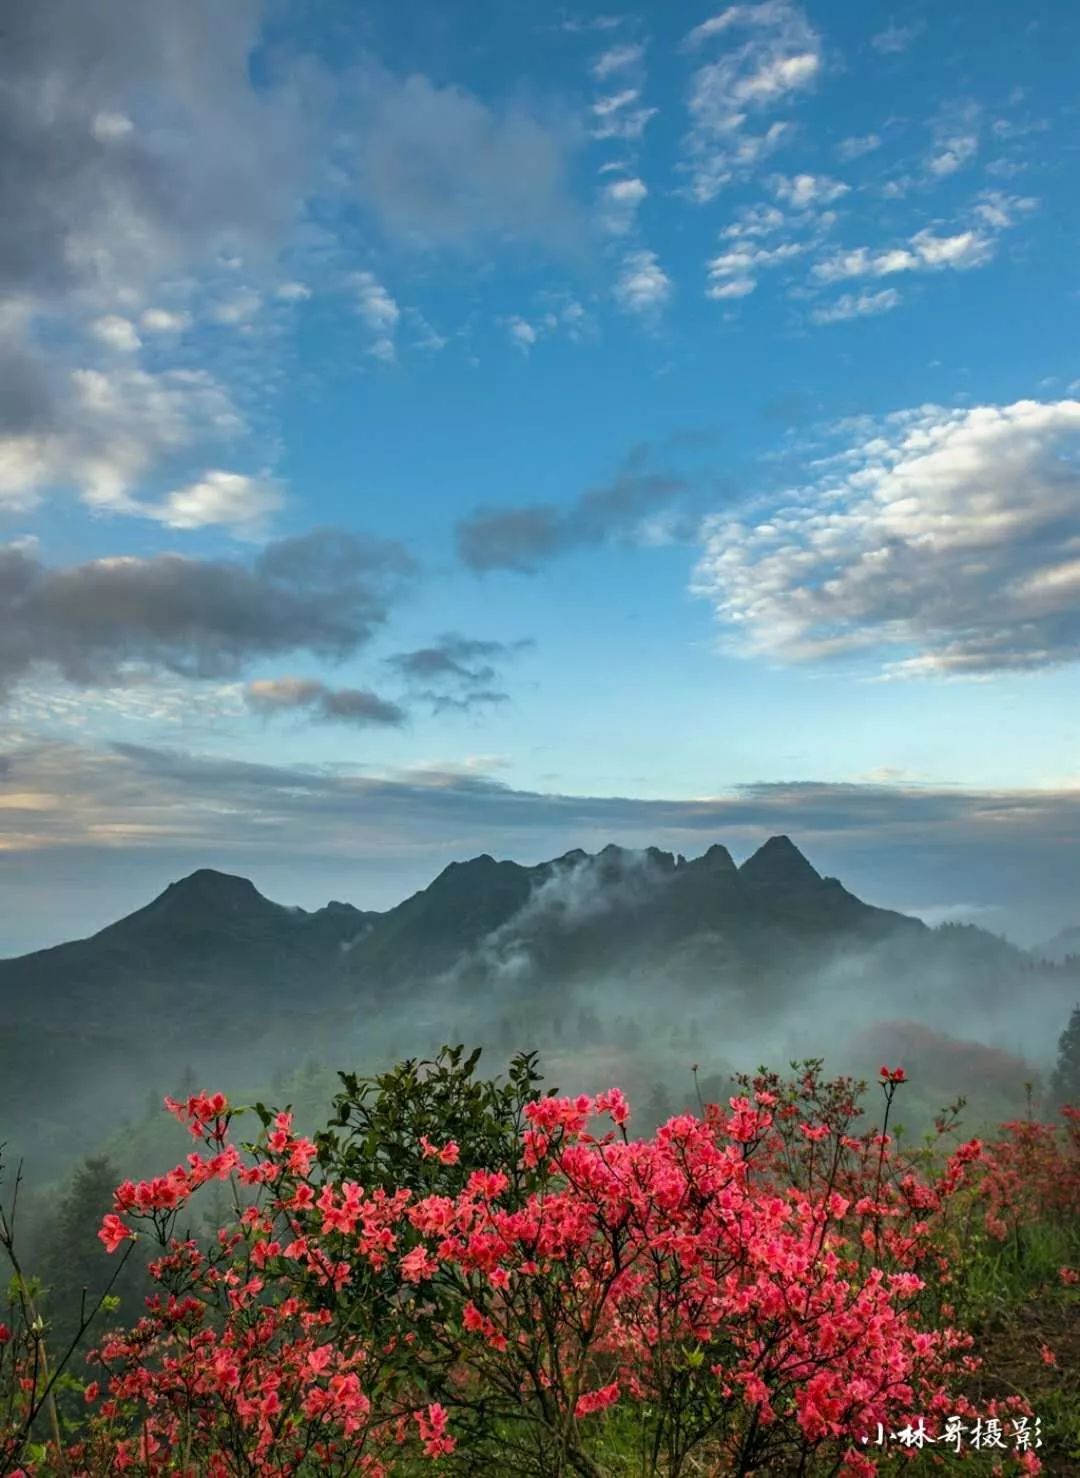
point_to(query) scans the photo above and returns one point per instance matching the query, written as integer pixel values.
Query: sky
(440, 429)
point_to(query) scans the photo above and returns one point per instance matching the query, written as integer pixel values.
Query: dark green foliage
(384, 1118)
(74, 1267)
(74, 1285)
(374, 1137)
(1065, 1083)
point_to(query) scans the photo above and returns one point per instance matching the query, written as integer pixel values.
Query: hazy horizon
(990, 918)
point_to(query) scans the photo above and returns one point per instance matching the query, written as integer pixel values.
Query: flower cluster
(750, 1281)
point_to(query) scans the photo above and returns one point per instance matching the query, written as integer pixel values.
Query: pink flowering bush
(1032, 1173)
(750, 1284)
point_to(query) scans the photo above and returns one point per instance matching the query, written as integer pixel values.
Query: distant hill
(193, 975)
(1064, 944)
(212, 972)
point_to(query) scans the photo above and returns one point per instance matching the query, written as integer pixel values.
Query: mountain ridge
(212, 967)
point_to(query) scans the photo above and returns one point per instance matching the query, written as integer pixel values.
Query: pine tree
(72, 1259)
(1065, 1084)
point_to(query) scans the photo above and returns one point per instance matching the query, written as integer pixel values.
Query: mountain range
(214, 973)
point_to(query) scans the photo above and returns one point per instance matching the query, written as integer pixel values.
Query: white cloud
(229, 499)
(1000, 211)
(858, 305)
(618, 59)
(116, 333)
(924, 251)
(732, 273)
(558, 313)
(619, 203)
(239, 309)
(379, 313)
(722, 288)
(955, 131)
(619, 112)
(779, 57)
(292, 292)
(643, 287)
(857, 146)
(803, 191)
(963, 250)
(374, 304)
(163, 321)
(110, 430)
(522, 333)
(108, 127)
(862, 262)
(953, 154)
(948, 539)
(754, 222)
(621, 115)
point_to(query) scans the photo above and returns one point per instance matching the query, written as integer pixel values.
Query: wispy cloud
(733, 274)
(808, 191)
(621, 115)
(928, 250)
(458, 673)
(620, 201)
(947, 540)
(359, 707)
(770, 53)
(618, 59)
(379, 313)
(865, 304)
(643, 287)
(524, 538)
(553, 313)
(857, 146)
(895, 39)
(955, 133)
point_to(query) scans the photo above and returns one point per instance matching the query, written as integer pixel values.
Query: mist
(626, 968)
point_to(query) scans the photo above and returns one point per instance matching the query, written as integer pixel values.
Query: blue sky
(541, 426)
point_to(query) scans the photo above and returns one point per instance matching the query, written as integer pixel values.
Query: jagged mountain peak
(717, 860)
(779, 864)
